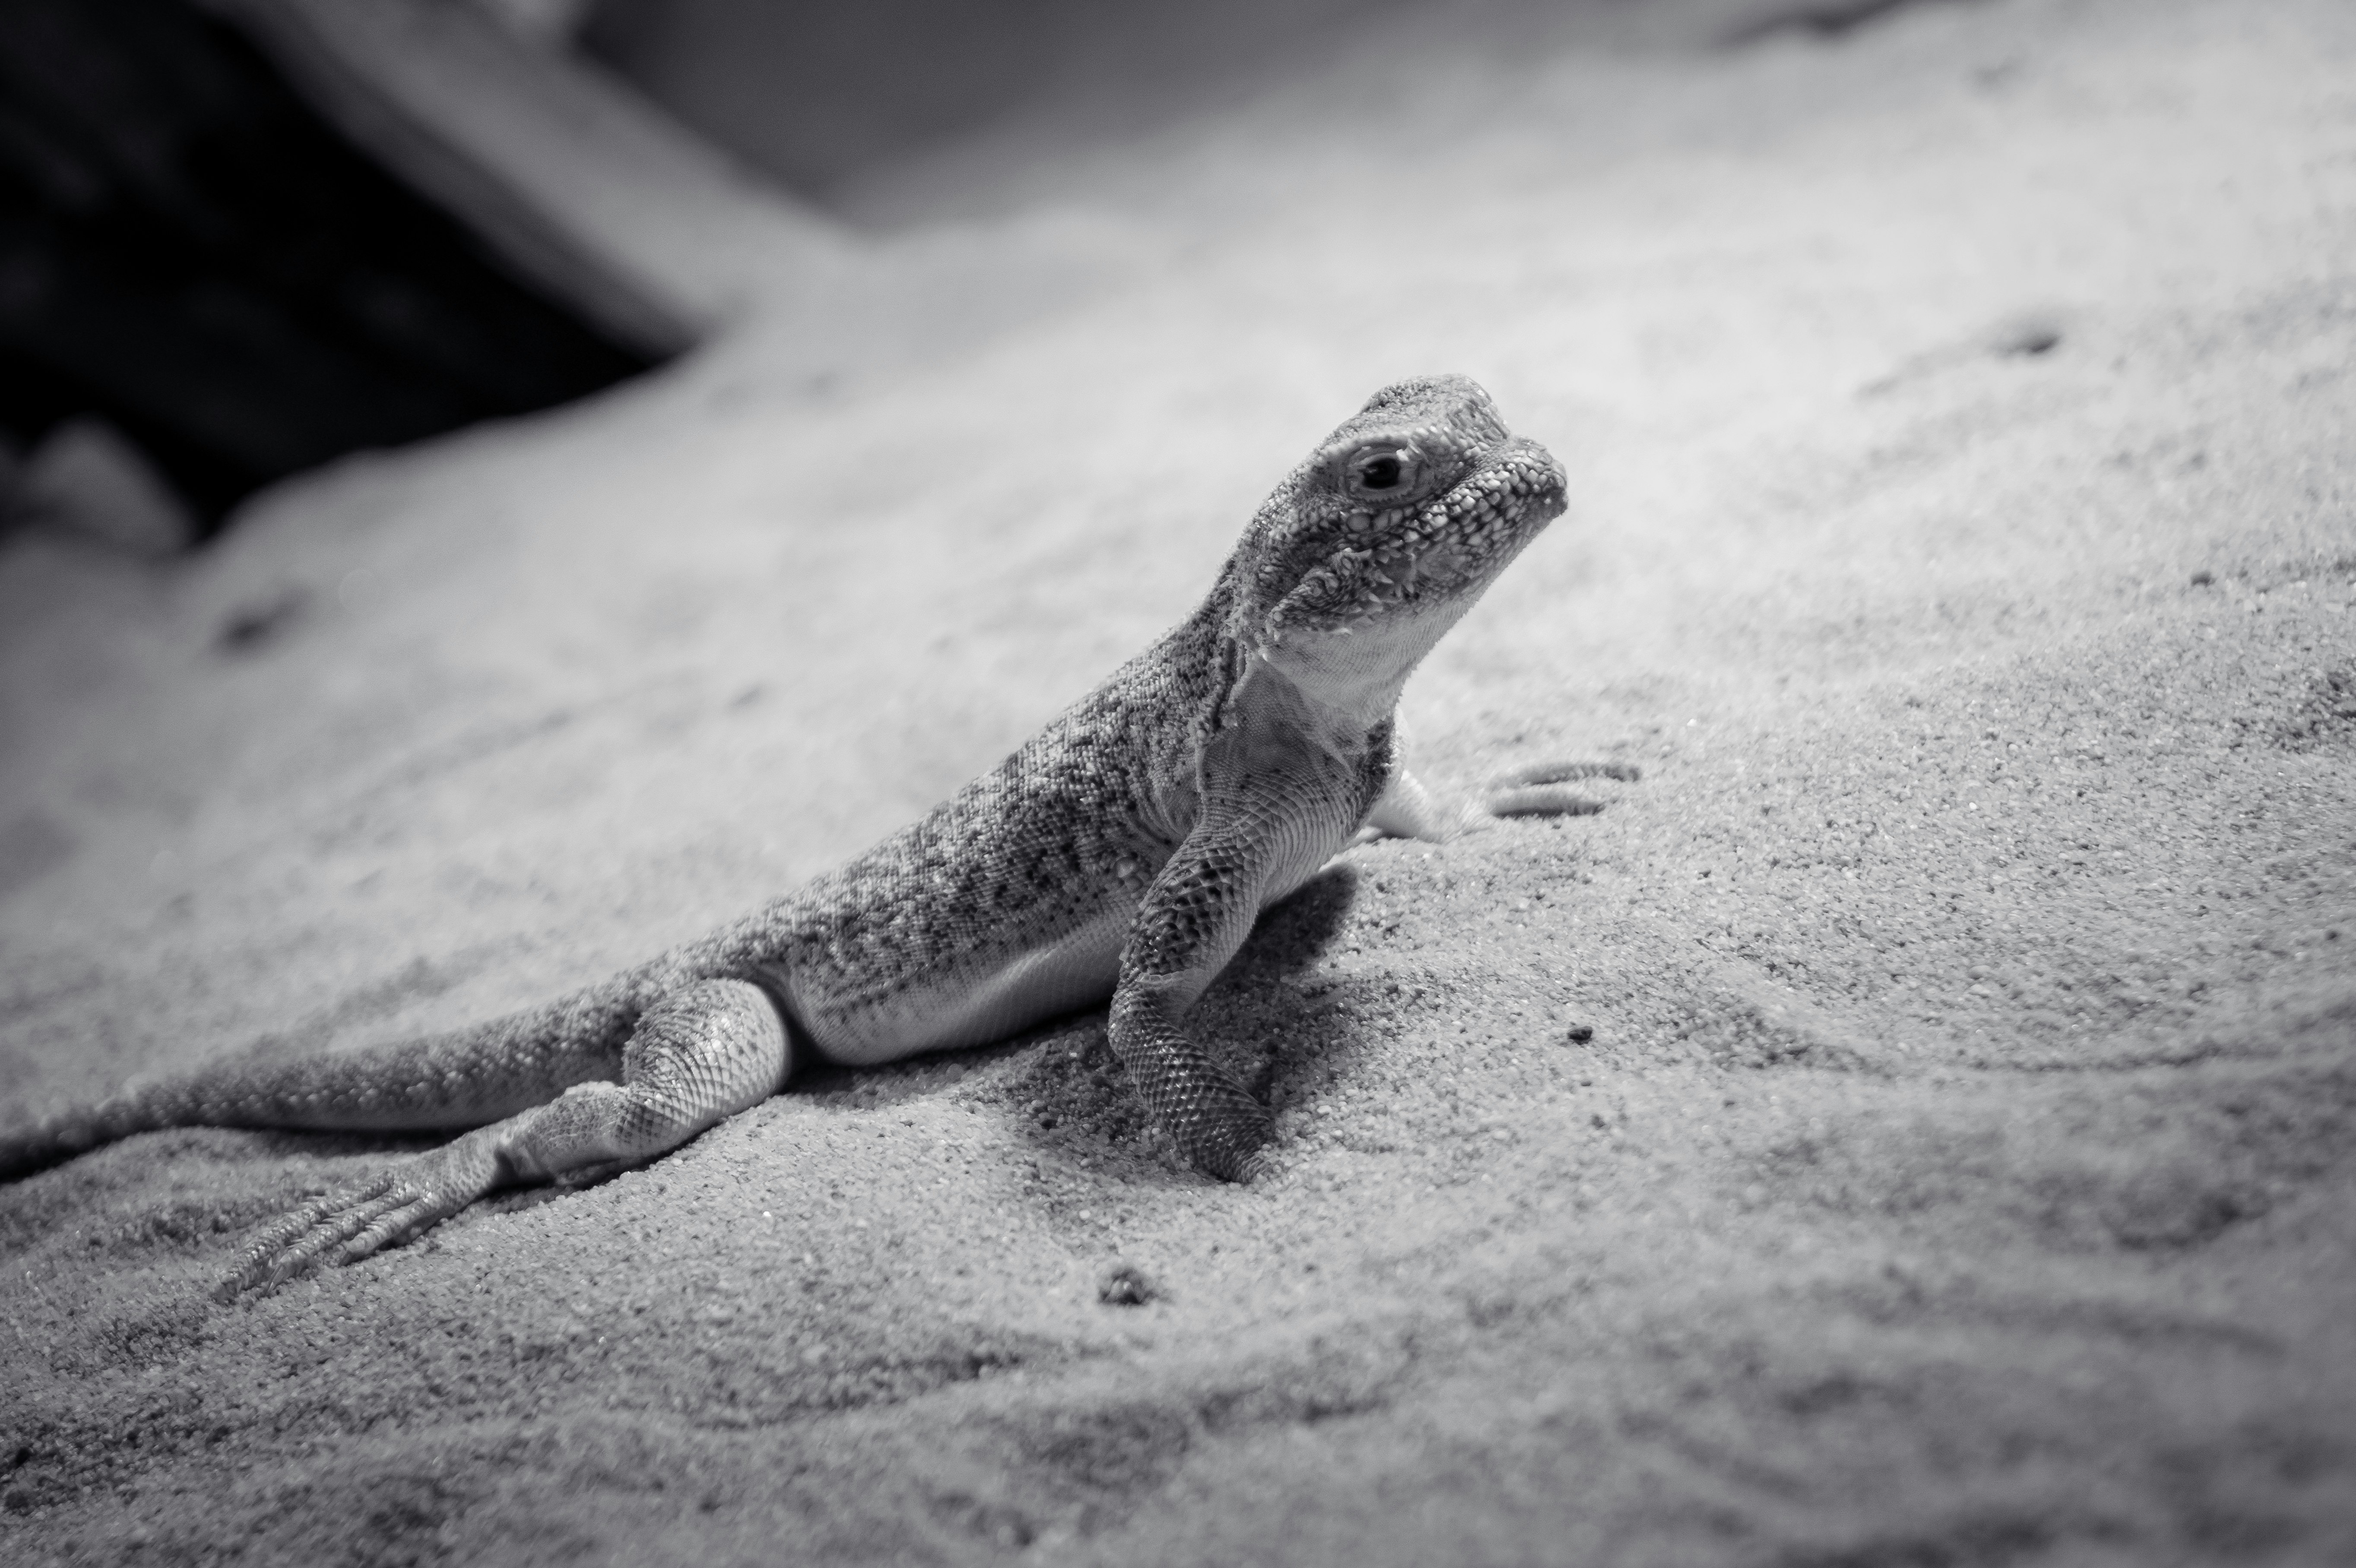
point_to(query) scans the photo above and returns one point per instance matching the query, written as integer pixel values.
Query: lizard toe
(1234, 1146)
(1541, 789)
(297, 1244)
(350, 1225)
(393, 1226)
(1559, 771)
(1540, 800)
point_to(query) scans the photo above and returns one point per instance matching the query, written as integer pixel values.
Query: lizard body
(1122, 853)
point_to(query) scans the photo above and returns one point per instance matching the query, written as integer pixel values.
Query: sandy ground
(1959, 1172)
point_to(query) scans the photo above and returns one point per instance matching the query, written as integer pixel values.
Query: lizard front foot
(1226, 1134)
(1408, 810)
(1218, 1127)
(1540, 789)
(347, 1226)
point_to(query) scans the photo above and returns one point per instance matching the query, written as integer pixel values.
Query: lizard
(1121, 855)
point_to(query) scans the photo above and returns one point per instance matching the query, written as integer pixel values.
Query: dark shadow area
(1061, 1086)
(192, 259)
(1275, 1036)
(1292, 935)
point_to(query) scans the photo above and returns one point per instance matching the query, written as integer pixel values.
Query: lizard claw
(345, 1227)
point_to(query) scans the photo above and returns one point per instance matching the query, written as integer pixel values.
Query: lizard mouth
(1433, 557)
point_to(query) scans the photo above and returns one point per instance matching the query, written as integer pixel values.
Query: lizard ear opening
(1382, 471)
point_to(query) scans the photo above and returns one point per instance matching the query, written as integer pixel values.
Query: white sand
(1961, 1169)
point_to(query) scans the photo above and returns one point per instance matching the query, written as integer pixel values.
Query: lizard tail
(451, 1080)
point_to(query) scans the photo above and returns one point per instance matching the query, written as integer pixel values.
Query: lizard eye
(1381, 472)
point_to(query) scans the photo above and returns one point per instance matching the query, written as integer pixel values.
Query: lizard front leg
(1191, 922)
(702, 1053)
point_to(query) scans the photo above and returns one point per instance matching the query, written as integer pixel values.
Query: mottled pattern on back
(1074, 825)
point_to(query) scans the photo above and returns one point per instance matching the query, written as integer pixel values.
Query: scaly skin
(1123, 853)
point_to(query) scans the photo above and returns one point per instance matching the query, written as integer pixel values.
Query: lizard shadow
(1289, 937)
(1066, 1092)
(1275, 1034)
(1297, 932)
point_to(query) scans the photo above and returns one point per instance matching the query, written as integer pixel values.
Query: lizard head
(1370, 550)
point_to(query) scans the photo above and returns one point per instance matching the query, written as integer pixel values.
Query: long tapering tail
(453, 1081)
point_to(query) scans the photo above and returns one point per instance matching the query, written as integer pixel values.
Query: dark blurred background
(203, 279)
(210, 278)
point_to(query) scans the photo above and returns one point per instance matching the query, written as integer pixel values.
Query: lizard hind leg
(700, 1055)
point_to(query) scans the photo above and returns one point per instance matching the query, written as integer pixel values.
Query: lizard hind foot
(345, 1227)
